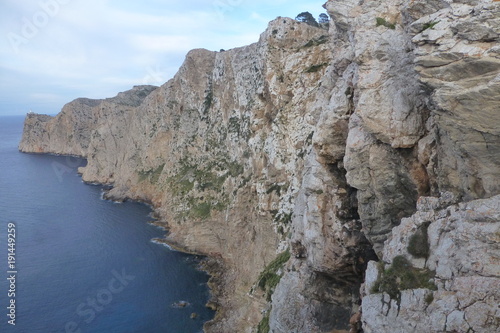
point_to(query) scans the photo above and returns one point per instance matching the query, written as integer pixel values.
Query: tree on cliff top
(307, 17)
(323, 19)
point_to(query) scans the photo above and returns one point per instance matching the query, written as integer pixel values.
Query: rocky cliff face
(296, 160)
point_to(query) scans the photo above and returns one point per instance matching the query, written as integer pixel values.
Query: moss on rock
(401, 275)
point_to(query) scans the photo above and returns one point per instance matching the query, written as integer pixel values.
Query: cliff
(297, 162)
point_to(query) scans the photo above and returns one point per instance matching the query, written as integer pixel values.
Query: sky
(53, 51)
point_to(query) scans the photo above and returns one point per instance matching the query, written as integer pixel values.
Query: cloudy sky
(53, 51)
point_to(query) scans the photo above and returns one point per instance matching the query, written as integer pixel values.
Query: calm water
(84, 264)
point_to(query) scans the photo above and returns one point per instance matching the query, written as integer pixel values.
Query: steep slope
(294, 161)
(218, 150)
(414, 112)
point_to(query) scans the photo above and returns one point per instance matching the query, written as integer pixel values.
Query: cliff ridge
(311, 165)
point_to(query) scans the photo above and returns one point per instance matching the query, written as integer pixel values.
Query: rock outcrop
(462, 243)
(297, 162)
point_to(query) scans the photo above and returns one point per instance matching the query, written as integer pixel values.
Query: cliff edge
(340, 180)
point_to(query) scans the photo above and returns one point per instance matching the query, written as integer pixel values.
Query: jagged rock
(454, 60)
(464, 252)
(319, 287)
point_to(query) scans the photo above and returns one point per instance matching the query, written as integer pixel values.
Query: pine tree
(307, 17)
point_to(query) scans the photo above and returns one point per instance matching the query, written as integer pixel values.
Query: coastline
(205, 263)
(227, 186)
(212, 264)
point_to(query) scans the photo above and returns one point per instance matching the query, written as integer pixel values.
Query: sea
(73, 262)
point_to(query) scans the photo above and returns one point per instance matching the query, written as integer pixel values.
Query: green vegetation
(207, 178)
(305, 148)
(152, 174)
(315, 68)
(269, 278)
(275, 188)
(381, 21)
(234, 168)
(307, 17)
(201, 210)
(233, 125)
(323, 19)
(429, 25)
(401, 275)
(239, 126)
(418, 245)
(284, 218)
(317, 41)
(429, 298)
(264, 324)
(245, 181)
(207, 103)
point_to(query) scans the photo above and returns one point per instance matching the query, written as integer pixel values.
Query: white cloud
(96, 48)
(46, 98)
(165, 43)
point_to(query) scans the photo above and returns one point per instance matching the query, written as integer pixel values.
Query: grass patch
(383, 22)
(192, 179)
(429, 25)
(209, 177)
(264, 324)
(269, 277)
(401, 275)
(418, 245)
(152, 174)
(201, 208)
(184, 186)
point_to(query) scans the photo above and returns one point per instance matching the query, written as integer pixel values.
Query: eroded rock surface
(464, 256)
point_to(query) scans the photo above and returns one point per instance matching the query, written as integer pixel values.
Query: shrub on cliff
(270, 276)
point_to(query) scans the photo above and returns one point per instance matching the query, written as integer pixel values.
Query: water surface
(85, 264)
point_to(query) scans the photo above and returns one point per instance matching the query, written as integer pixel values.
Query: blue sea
(82, 264)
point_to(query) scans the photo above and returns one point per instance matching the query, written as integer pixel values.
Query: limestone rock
(464, 252)
(218, 151)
